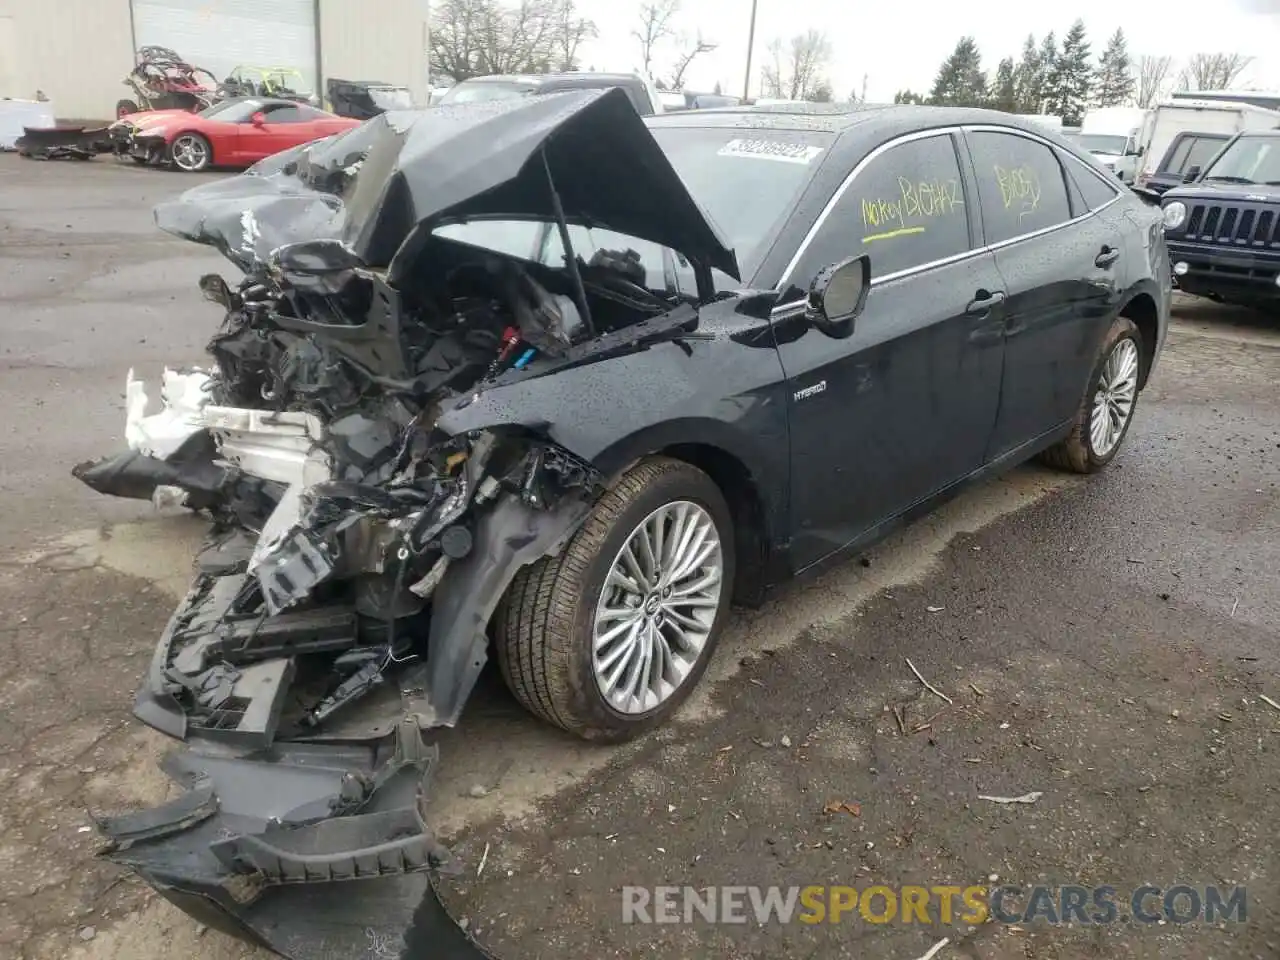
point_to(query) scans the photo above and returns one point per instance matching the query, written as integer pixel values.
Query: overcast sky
(900, 44)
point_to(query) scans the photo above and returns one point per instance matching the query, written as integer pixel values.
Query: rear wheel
(608, 638)
(1107, 408)
(124, 108)
(191, 153)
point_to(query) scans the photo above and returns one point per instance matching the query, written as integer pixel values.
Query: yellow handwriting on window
(1019, 189)
(915, 201)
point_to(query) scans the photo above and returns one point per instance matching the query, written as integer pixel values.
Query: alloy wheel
(657, 608)
(190, 153)
(1114, 399)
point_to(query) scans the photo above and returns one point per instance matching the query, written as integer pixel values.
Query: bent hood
(381, 188)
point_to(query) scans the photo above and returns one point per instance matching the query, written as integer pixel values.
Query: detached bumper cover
(313, 851)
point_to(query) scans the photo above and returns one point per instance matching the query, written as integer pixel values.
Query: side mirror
(1141, 151)
(837, 296)
(258, 119)
(1191, 175)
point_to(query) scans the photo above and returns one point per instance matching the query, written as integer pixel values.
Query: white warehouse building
(77, 52)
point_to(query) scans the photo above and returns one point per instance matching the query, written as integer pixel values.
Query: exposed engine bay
(338, 507)
(358, 547)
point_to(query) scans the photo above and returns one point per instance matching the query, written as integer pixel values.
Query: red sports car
(233, 133)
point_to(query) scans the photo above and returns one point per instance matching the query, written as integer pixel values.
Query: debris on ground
(1031, 797)
(933, 951)
(843, 806)
(927, 685)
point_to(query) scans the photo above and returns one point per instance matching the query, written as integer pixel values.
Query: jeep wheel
(608, 638)
(1107, 409)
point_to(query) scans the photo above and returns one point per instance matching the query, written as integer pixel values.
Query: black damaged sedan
(544, 381)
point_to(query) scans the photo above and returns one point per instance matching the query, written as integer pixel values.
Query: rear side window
(905, 209)
(1095, 191)
(1020, 185)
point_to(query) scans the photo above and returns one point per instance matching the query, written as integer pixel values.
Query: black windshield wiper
(1226, 178)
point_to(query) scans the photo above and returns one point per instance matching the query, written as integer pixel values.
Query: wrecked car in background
(493, 380)
(231, 133)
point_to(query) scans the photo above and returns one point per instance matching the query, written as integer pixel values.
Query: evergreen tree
(908, 96)
(1003, 94)
(1069, 83)
(1114, 81)
(960, 81)
(1028, 78)
(1046, 60)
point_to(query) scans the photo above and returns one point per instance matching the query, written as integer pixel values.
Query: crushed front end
(340, 606)
(337, 613)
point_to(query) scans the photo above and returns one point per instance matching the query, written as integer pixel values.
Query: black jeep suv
(1223, 230)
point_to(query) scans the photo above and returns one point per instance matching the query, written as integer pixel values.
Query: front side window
(1191, 151)
(1020, 185)
(284, 113)
(905, 209)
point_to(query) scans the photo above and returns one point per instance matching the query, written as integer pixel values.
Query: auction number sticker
(771, 150)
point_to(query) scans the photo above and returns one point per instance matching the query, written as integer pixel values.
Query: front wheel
(1107, 409)
(124, 108)
(607, 638)
(191, 153)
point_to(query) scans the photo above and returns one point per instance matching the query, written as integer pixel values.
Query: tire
(546, 624)
(191, 153)
(125, 107)
(1081, 451)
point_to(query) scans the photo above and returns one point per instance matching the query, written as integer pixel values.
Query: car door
(1059, 262)
(905, 405)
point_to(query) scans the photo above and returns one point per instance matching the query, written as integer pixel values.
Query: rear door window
(1095, 191)
(1020, 184)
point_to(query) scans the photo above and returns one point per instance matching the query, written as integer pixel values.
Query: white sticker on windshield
(771, 150)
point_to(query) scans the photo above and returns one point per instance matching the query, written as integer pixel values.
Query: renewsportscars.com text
(942, 904)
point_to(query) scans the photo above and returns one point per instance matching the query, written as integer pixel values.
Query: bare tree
(799, 71)
(655, 26)
(471, 38)
(1153, 76)
(691, 52)
(1213, 71)
(571, 31)
(456, 30)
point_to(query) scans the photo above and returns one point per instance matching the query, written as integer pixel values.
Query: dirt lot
(1105, 643)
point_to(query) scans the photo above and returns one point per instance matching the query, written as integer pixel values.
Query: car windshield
(232, 111)
(1248, 160)
(719, 166)
(1101, 143)
(470, 91)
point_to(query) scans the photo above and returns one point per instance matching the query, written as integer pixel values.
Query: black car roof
(841, 117)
